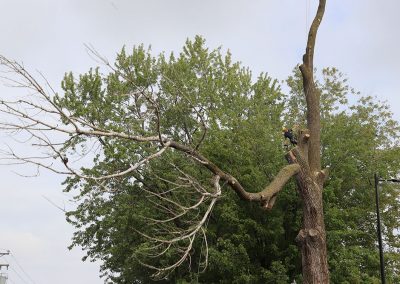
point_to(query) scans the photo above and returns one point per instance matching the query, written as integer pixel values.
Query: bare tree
(50, 126)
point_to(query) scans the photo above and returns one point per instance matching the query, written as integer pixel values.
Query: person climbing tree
(288, 134)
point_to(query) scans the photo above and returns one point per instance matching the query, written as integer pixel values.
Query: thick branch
(322, 176)
(263, 196)
(268, 195)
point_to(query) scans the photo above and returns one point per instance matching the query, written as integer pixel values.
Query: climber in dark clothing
(288, 134)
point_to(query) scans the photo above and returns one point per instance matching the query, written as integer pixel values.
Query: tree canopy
(158, 149)
(198, 87)
(244, 117)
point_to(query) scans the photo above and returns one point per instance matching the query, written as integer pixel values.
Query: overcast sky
(360, 37)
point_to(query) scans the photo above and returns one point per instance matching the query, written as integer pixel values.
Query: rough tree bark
(312, 238)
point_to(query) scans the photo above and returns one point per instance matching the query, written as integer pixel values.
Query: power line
(23, 270)
(3, 255)
(19, 275)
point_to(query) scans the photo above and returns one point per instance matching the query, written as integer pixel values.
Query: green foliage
(202, 87)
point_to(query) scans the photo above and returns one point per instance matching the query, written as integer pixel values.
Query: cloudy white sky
(360, 37)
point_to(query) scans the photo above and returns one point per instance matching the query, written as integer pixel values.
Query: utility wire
(19, 275)
(23, 270)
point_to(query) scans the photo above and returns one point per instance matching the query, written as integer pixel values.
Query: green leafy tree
(151, 146)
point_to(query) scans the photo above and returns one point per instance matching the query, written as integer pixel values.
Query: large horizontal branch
(268, 195)
(263, 196)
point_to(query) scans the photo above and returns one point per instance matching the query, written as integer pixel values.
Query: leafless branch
(183, 237)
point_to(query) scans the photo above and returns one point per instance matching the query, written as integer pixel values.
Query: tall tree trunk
(312, 237)
(310, 179)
